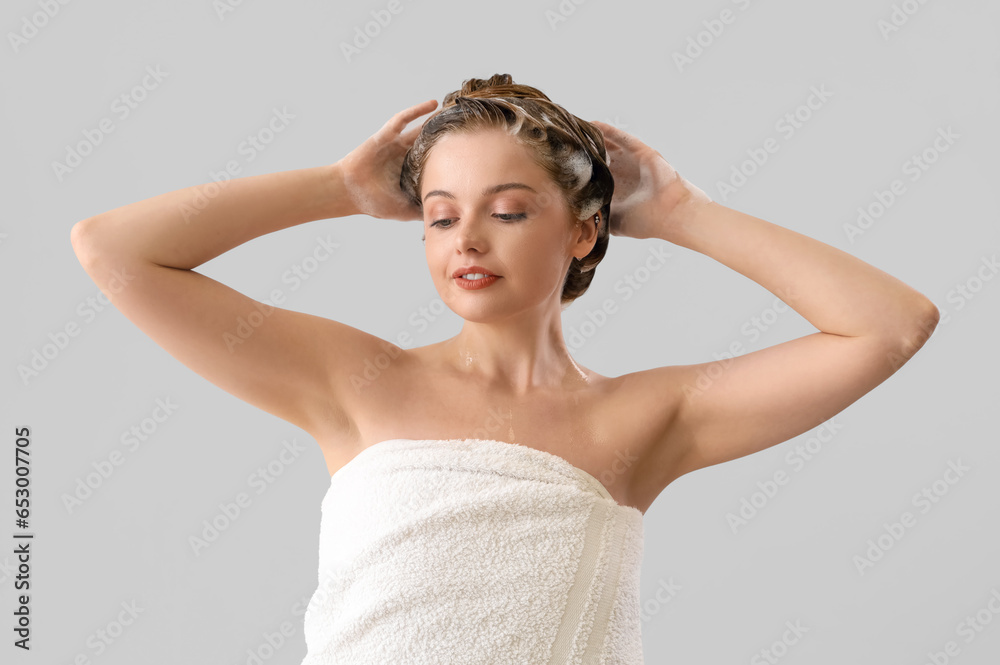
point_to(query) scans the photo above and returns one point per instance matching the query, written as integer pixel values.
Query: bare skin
(508, 373)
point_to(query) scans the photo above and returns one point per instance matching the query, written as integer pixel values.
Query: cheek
(437, 259)
(540, 260)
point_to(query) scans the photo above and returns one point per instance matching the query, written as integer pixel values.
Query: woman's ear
(588, 229)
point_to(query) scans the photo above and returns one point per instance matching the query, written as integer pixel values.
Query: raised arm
(293, 365)
(870, 324)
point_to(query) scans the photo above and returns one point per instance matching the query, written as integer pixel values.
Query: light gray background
(733, 592)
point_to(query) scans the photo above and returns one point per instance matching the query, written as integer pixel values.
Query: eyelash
(515, 215)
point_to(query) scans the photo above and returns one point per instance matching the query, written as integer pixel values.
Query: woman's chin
(480, 313)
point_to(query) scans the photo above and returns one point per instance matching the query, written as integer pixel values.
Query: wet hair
(570, 150)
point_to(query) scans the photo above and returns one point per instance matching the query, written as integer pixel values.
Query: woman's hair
(569, 149)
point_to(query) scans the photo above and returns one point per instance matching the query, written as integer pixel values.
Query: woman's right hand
(371, 171)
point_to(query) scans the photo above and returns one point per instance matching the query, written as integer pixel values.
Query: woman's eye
(505, 216)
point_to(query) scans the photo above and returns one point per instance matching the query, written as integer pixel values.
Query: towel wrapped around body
(473, 551)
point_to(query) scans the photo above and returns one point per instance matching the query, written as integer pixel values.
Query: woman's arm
(833, 290)
(188, 227)
(296, 366)
(141, 256)
(870, 324)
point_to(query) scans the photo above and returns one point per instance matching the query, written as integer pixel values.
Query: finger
(399, 121)
(613, 133)
(606, 128)
(611, 145)
(410, 135)
(604, 134)
(609, 132)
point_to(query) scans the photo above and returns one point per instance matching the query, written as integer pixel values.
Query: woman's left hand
(650, 196)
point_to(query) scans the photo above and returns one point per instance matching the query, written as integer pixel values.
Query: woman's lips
(474, 284)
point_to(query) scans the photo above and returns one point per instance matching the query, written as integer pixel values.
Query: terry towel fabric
(473, 551)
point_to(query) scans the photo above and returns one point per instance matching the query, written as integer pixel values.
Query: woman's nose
(471, 234)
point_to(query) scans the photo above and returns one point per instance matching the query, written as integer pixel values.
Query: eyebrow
(495, 189)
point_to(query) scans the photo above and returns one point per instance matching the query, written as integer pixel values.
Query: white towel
(468, 551)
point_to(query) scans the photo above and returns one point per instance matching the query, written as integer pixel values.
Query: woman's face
(487, 203)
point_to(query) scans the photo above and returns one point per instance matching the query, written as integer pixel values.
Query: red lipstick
(479, 282)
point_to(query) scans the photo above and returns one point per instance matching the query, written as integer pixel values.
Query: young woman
(522, 545)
